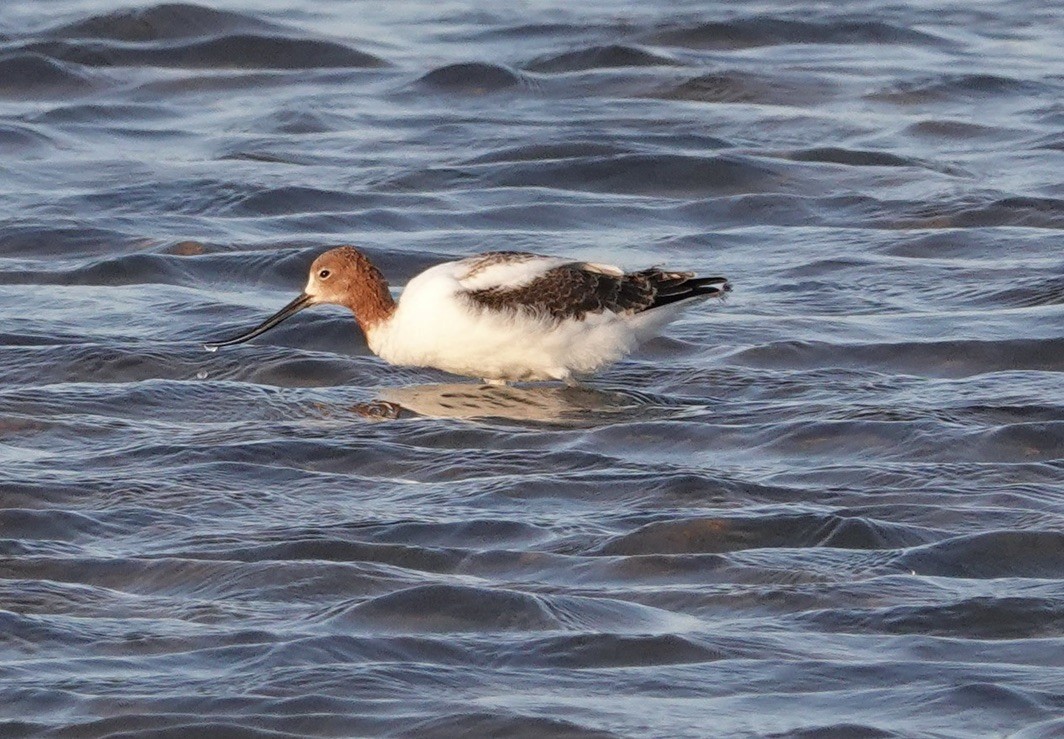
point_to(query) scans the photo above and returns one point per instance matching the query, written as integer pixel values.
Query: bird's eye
(324, 274)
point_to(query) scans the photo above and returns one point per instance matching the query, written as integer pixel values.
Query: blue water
(832, 506)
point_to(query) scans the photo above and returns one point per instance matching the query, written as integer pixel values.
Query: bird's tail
(672, 287)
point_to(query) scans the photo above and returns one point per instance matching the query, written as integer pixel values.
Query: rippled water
(831, 506)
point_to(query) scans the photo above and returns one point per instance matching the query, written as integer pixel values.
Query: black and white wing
(564, 289)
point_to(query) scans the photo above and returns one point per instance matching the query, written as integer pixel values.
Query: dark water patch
(19, 548)
(825, 267)
(293, 199)
(612, 651)
(770, 209)
(947, 129)
(985, 617)
(18, 492)
(163, 725)
(958, 87)
(477, 533)
(159, 22)
(671, 176)
(57, 360)
(1022, 442)
(1028, 294)
(189, 248)
(281, 369)
(194, 196)
(974, 244)
(177, 263)
(143, 380)
(752, 32)
(727, 534)
(428, 461)
(956, 358)
(195, 84)
(453, 608)
(307, 446)
(243, 51)
(1043, 730)
(267, 52)
(61, 525)
(672, 570)
(545, 152)
(502, 723)
(837, 731)
(93, 54)
(1006, 701)
(787, 569)
(263, 157)
(598, 57)
(18, 139)
(1025, 419)
(1016, 430)
(1038, 554)
(970, 213)
(854, 157)
(332, 225)
(43, 598)
(131, 269)
(213, 589)
(28, 75)
(92, 114)
(282, 268)
(1049, 113)
(43, 631)
(1051, 142)
(336, 550)
(447, 609)
(300, 122)
(736, 86)
(1028, 212)
(549, 30)
(628, 483)
(471, 78)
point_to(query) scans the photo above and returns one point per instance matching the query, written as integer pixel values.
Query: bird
(501, 316)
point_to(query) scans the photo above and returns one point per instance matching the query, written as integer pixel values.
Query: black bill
(303, 301)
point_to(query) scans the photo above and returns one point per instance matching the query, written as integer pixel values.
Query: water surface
(831, 506)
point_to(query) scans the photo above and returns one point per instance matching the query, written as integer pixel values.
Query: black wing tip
(716, 289)
(710, 286)
(721, 282)
(698, 287)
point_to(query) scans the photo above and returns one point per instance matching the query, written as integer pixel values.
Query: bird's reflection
(575, 406)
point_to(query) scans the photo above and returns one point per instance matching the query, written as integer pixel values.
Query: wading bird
(501, 316)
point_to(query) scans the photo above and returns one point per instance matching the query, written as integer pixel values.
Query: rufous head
(341, 276)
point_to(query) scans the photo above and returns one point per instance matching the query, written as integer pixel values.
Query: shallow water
(831, 506)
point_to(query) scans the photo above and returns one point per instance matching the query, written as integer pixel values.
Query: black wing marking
(571, 291)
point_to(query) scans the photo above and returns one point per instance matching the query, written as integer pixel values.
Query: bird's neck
(372, 305)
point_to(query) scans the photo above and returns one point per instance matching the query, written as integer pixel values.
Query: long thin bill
(303, 301)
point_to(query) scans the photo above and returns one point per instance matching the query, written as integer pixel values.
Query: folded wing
(562, 289)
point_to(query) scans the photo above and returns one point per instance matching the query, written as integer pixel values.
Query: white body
(435, 325)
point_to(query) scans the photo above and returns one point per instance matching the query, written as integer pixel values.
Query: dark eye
(324, 274)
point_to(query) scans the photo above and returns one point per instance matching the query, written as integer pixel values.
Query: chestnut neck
(371, 303)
